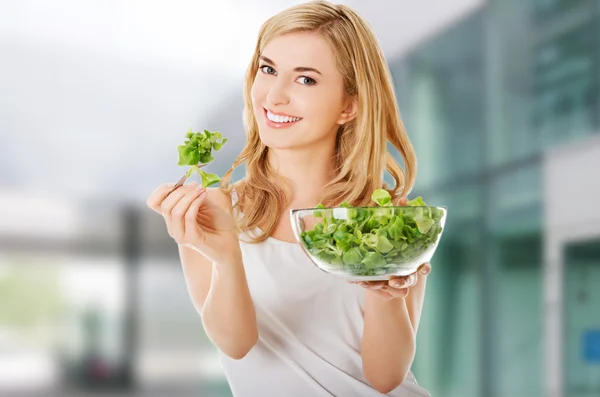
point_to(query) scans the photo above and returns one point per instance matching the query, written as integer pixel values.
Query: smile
(280, 121)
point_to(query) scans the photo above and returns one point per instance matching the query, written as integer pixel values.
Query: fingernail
(395, 284)
(199, 188)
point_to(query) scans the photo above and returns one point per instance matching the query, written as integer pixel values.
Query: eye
(266, 69)
(306, 80)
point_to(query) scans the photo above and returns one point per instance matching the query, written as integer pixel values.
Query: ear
(349, 112)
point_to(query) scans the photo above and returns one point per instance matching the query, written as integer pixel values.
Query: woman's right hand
(196, 222)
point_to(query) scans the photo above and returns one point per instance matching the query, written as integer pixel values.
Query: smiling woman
(319, 114)
(299, 65)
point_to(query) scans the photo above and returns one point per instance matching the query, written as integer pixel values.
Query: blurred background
(501, 99)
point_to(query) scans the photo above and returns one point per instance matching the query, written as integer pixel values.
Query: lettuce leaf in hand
(197, 151)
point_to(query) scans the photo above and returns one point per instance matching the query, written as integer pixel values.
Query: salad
(197, 149)
(370, 241)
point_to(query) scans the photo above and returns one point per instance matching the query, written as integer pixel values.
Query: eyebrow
(298, 69)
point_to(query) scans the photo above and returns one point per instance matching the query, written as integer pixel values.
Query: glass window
(542, 77)
(565, 85)
(440, 90)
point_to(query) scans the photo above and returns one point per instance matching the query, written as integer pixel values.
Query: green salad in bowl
(370, 243)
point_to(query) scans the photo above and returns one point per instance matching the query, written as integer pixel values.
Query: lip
(274, 124)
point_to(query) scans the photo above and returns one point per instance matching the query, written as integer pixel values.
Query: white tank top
(309, 325)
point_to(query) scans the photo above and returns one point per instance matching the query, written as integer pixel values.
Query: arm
(228, 315)
(388, 342)
(220, 293)
(389, 336)
(415, 300)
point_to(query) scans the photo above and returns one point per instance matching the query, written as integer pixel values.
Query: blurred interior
(500, 98)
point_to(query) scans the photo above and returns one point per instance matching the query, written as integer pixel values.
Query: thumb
(425, 268)
(402, 201)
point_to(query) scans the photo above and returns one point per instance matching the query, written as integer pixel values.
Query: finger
(397, 281)
(193, 231)
(425, 268)
(167, 205)
(405, 282)
(180, 212)
(412, 280)
(158, 195)
(373, 284)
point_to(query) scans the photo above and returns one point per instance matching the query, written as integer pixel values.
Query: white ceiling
(96, 95)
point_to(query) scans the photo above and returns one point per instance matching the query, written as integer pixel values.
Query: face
(298, 95)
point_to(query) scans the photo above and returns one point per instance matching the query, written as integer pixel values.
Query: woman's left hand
(396, 286)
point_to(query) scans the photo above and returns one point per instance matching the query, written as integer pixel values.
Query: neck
(307, 170)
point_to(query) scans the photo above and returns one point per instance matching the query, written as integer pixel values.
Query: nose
(278, 93)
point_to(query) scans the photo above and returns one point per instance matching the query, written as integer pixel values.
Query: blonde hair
(358, 171)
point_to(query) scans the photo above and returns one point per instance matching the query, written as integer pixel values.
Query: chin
(275, 142)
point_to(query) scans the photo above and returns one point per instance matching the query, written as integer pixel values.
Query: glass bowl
(369, 243)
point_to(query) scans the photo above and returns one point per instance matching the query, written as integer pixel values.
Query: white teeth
(281, 119)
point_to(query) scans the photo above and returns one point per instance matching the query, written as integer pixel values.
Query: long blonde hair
(358, 171)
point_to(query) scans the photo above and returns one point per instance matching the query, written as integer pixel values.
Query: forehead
(305, 49)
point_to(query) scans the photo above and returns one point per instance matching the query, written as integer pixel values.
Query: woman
(320, 109)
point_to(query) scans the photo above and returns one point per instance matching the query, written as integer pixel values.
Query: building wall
(572, 266)
(482, 102)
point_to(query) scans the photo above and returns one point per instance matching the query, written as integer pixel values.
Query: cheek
(320, 106)
(330, 104)
(257, 94)
(253, 98)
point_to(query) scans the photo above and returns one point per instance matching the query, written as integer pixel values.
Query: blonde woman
(320, 110)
